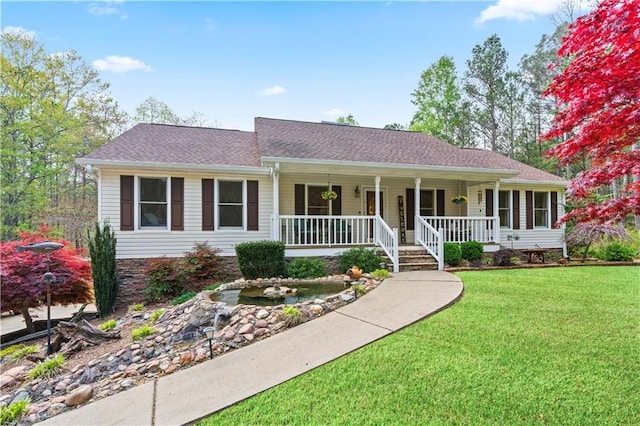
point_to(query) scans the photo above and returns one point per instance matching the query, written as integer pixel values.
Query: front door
(371, 207)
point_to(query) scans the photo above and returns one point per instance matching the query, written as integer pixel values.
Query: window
(316, 205)
(231, 204)
(504, 208)
(541, 209)
(426, 202)
(153, 203)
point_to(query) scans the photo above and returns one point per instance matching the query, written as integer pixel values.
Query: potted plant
(329, 195)
(459, 199)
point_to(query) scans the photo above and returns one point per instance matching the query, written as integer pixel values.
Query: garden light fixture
(208, 331)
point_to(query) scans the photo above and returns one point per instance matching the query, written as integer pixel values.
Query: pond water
(254, 295)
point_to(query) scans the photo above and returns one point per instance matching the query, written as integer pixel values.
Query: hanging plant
(329, 195)
(459, 199)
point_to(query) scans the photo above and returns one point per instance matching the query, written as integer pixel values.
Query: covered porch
(388, 211)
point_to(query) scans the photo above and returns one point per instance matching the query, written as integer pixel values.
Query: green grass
(17, 352)
(10, 414)
(531, 346)
(108, 325)
(141, 332)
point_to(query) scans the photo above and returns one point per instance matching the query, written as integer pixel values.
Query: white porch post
(496, 212)
(375, 228)
(416, 212)
(563, 202)
(276, 202)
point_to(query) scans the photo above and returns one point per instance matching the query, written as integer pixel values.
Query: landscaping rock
(79, 396)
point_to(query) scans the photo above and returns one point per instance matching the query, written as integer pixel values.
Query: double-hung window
(153, 203)
(541, 209)
(316, 205)
(426, 202)
(231, 211)
(504, 208)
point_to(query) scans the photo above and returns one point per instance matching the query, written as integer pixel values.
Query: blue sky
(311, 61)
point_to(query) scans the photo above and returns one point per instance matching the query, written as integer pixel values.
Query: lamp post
(208, 331)
(48, 279)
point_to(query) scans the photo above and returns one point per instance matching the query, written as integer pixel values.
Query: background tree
(22, 282)
(484, 85)
(439, 102)
(598, 95)
(53, 109)
(348, 120)
(152, 110)
(395, 126)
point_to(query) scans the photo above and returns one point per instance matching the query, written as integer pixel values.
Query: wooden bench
(535, 254)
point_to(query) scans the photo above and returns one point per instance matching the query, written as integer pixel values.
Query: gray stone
(55, 409)
(89, 375)
(262, 314)
(21, 395)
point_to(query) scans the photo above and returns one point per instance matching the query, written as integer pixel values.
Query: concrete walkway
(190, 394)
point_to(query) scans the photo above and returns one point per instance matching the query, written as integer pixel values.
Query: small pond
(254, 295)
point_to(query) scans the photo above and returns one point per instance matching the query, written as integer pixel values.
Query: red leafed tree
(598, 96)
(22, 276)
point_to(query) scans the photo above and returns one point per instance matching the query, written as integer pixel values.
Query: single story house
(319, 188)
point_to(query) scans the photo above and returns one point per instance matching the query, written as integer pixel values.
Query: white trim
(257, 170)
(136, 209)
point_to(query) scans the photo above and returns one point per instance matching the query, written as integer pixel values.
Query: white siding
(150, 243)
(544, 237)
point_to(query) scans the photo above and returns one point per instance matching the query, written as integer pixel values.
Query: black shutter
(515, 204)
(529, 208)
(411, 209)
(299, 199)
(440, 202)
(208, 188)
(252, 205)
(126, 203)
(489, 203)
(336, 205)
(177, 204)
(554, 208)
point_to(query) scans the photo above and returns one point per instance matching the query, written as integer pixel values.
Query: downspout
(496, 212)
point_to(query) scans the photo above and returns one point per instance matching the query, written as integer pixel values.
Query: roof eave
(563, 184)
(253, 170)
(416, 167)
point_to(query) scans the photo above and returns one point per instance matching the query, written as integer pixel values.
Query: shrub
(380, 273)
(504, 257)
(167, 278)
(452, 254)
(102, 250)
(472, 251)
(46, 369)
(363, 258)
(291, 316)
(212, 286)
(137, 307)
(156, 314)
(307, 267)
(16, 352)
(183, 298)
(108, 325)
(618, 252)
(261, 259)
(10, 414)
(142, 331)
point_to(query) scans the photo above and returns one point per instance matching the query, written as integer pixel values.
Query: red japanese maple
(598, 97)
(22, 276)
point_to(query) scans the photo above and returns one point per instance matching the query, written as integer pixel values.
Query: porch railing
(432, 240)
(459, 229)
(387, 239)
(327, 230)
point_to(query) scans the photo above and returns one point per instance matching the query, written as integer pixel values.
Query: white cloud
(107, 8)
(334, 112)
(19, 31)
(120, 64)
(273, 91)
(520, 10)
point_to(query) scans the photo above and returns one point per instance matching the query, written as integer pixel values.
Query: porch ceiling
(396, 170)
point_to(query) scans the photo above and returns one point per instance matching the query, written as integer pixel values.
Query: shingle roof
(332, 142)
(275, 138)
(159, 143)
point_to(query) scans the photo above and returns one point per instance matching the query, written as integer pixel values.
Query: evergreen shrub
(261, 259)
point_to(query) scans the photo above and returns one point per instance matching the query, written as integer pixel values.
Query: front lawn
(555, 346)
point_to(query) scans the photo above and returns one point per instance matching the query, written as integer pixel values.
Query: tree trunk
(28, 321)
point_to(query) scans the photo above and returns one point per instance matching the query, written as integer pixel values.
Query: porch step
(413, 259)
